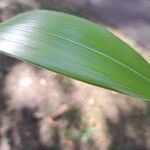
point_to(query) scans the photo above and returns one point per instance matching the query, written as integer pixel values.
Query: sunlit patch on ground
(43, 91)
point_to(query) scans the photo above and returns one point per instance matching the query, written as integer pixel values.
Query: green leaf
(77, 48)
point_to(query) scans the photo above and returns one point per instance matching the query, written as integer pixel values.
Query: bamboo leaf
(77, 48)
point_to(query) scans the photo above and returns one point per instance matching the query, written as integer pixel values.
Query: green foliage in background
(76, 48)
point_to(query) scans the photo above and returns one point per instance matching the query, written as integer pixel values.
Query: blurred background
(42, 110)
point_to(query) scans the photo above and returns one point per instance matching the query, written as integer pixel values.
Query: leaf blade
(77, 48)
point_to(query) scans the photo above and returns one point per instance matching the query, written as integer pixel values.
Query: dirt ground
(42, 110)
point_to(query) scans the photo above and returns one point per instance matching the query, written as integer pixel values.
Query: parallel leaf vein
(86, 47)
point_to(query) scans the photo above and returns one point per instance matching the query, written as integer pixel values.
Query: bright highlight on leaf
(77, 48)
